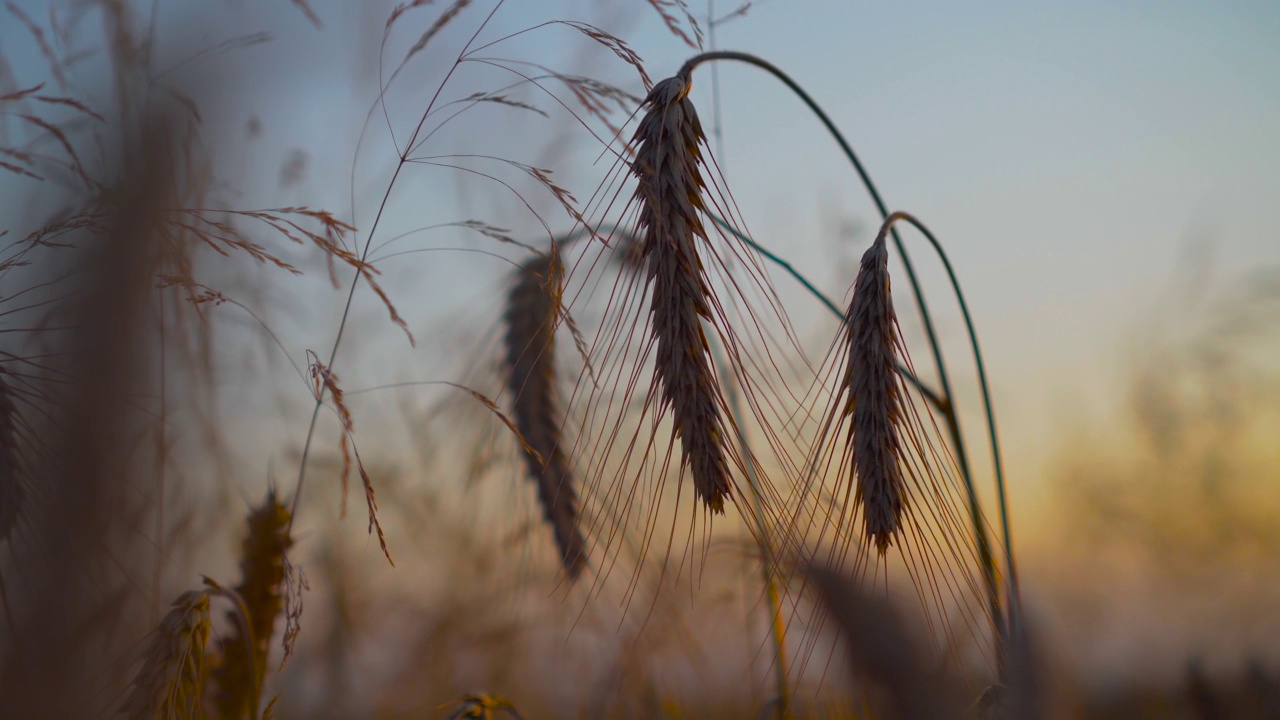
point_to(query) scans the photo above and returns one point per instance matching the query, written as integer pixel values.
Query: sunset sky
(1080, 161)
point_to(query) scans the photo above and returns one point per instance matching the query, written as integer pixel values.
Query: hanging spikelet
(242, 660)
(669, 194)
(169, 685)
(533, 305)
(873, 396)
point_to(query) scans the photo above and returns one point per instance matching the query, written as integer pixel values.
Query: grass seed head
(533, 306)
(669, 192)
(874, 398)
(882, 651)
(262, 573)
(171, 679)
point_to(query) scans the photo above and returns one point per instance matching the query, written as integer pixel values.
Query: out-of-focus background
(1103, 178)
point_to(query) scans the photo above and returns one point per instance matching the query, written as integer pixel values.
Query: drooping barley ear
(171, 680)
(533, 306)
(12, 493)
(669, 193)
(874, 396)
(242, 660)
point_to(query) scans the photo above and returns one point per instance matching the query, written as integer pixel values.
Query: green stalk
(947, 407)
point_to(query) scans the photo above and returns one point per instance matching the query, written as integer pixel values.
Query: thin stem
(355, 282)
(953, 421)
(767, 563)
(929, 393)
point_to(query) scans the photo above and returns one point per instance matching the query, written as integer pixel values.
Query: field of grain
(588, 359)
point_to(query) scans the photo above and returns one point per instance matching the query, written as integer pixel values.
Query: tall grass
(645, 346)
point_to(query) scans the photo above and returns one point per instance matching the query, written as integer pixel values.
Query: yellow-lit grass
(170, 683)
(242, 654)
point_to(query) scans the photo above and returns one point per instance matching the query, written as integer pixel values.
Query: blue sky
(1067, 155)
(1079, 161)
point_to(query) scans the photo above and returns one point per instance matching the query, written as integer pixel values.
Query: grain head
(170, 682)
(883, 653)
(532, 311)
(669, 194)
(873, 396)
(242, 657)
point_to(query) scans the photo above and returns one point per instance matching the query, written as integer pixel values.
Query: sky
(1069, 157)
(1073, 158)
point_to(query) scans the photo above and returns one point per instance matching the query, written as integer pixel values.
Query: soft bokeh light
(1102, 176)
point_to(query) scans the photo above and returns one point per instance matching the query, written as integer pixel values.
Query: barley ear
(171, 680)
(242, 655)
(669, 194)
(874, 398)
(882, 651)
(533, 306)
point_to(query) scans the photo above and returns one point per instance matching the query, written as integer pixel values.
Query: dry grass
(165, 261)
(532, 313)
(164, 295)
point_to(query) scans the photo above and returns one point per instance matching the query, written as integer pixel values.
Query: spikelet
(170, 682)
(874, 397)
(262, 570)
(12, 494)
(669, 194)
(532, 308)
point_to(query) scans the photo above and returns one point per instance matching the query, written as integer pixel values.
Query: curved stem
(927, 392)
(950, 414)
(364, 255)
(986, 400)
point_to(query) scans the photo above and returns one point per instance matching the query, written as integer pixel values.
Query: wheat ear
(874, 396)
(669, 193)
(169, 684)
(242, 660)
(533, 305)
